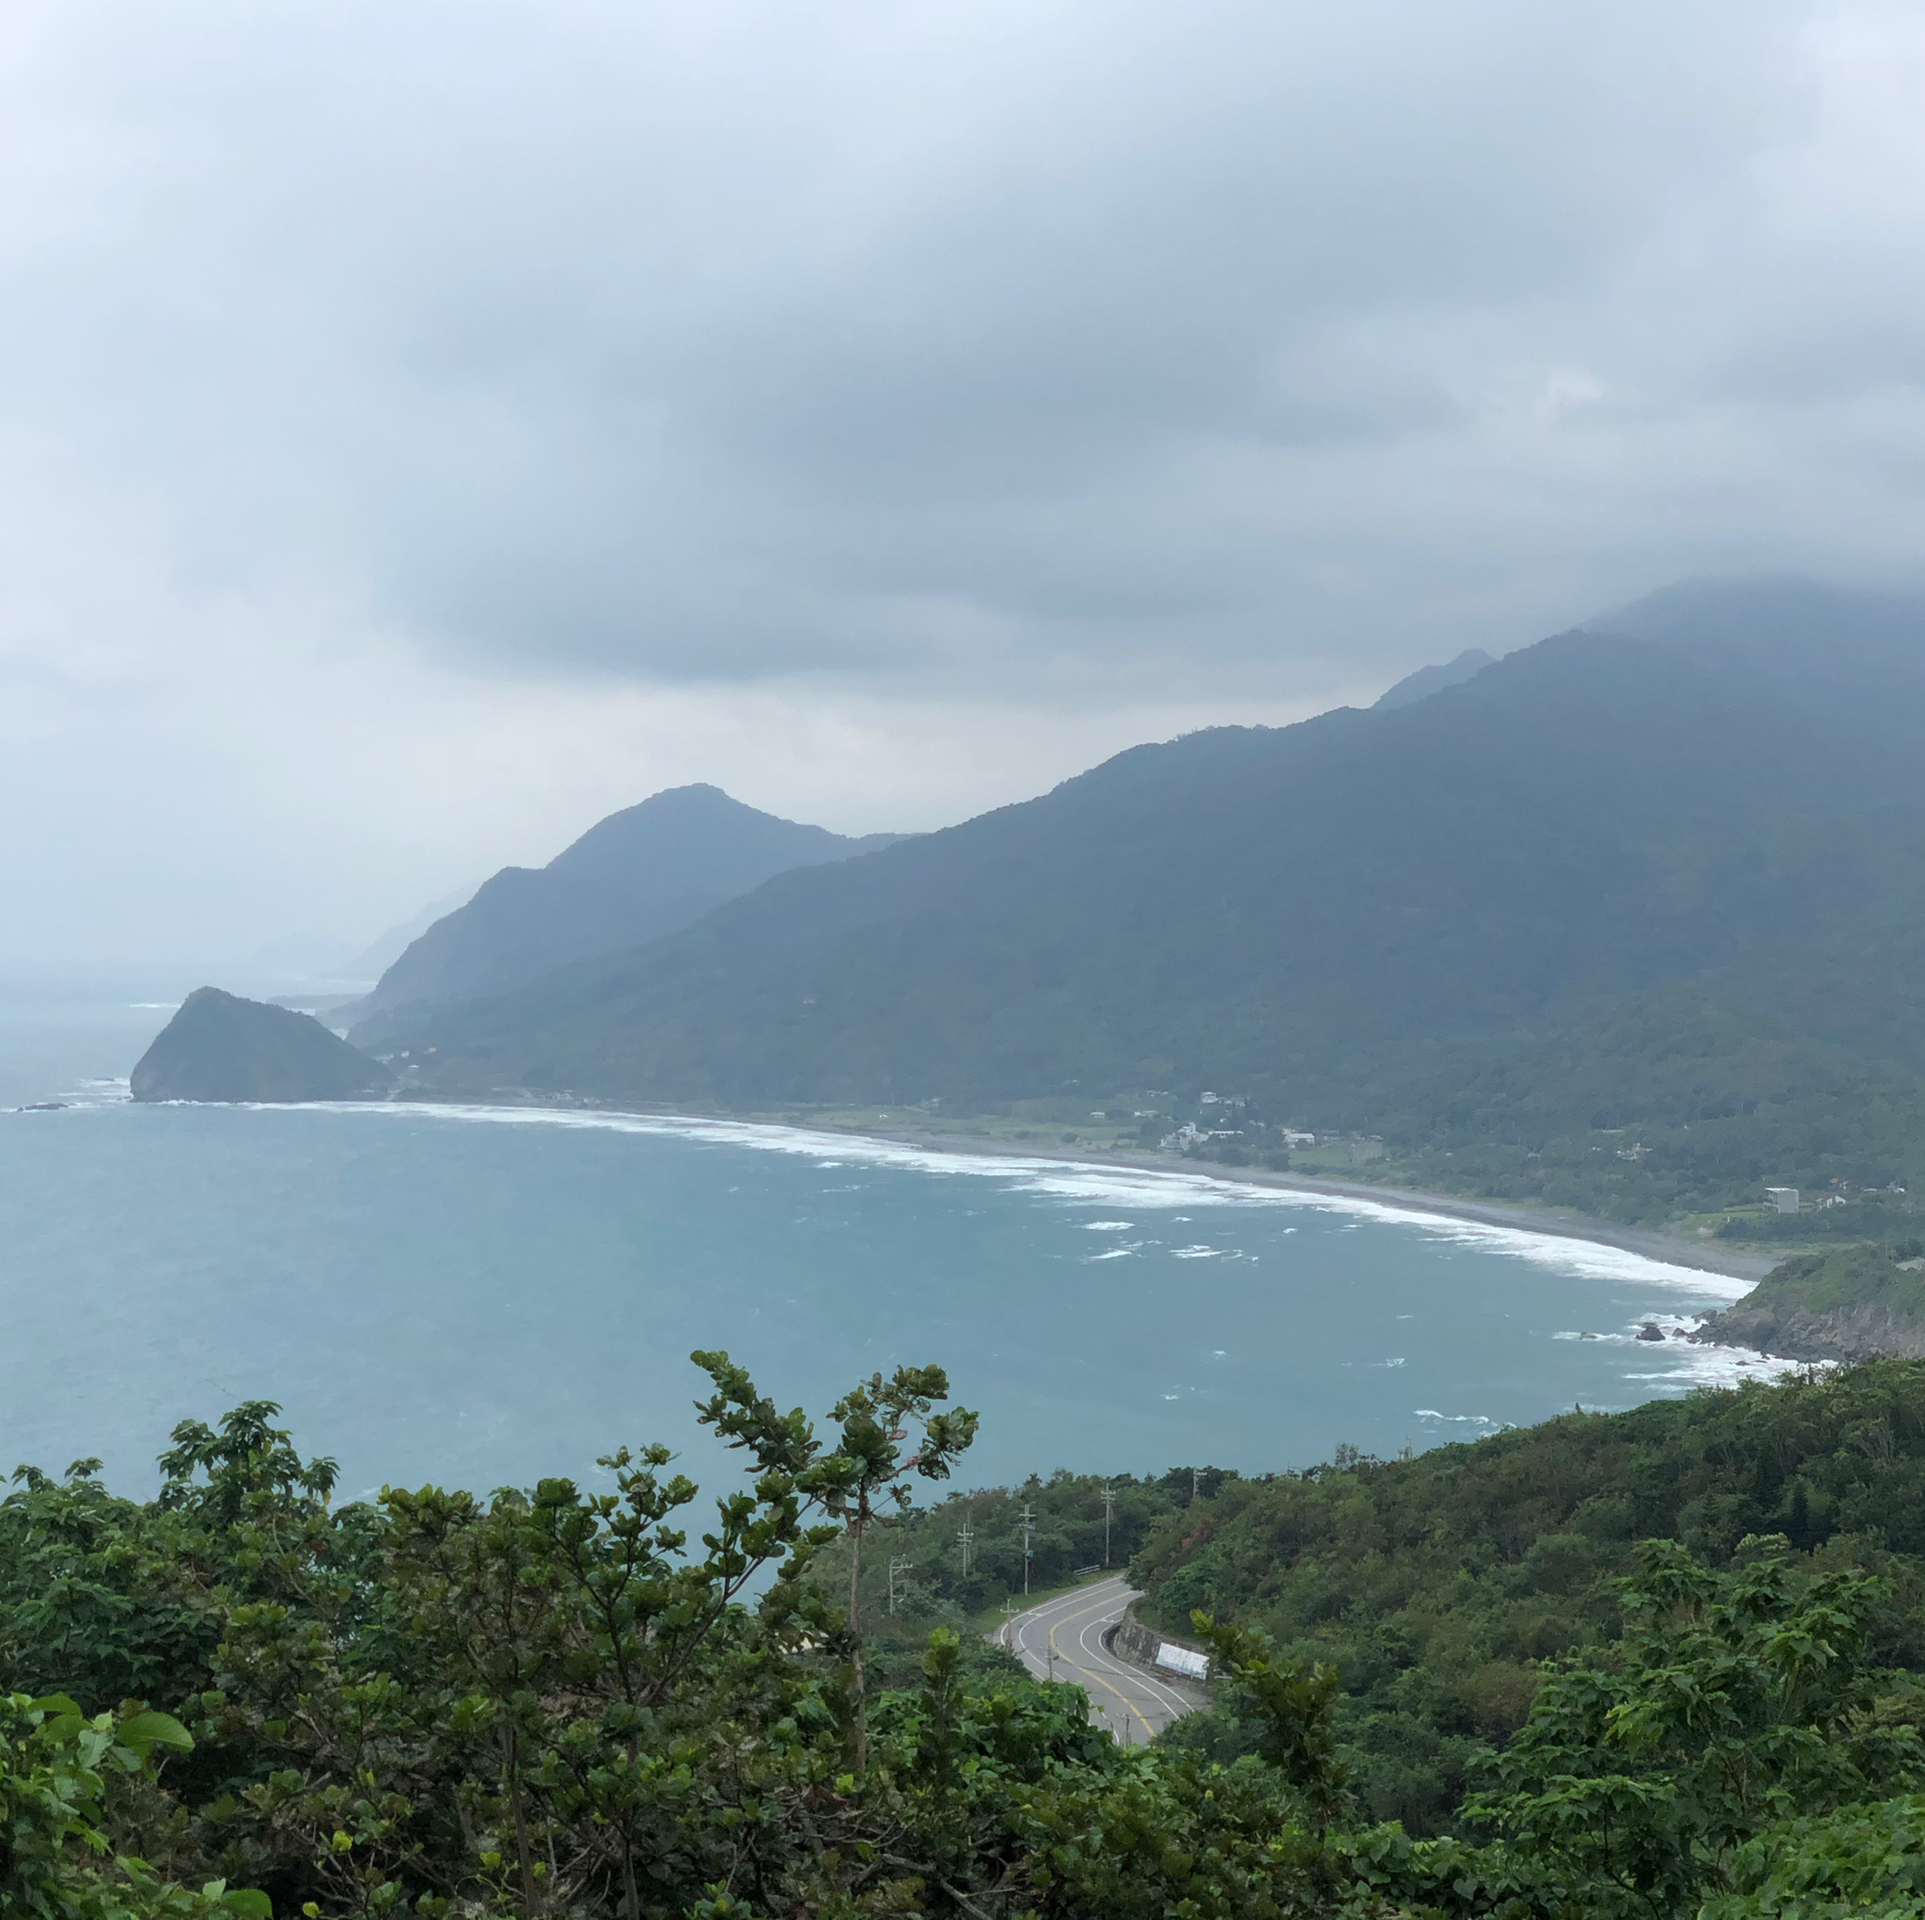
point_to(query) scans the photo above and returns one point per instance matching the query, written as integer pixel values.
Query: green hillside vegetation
(1848, 1277)
(1844, 1304)
(1436, 1586)
(1682, 1103)
(240, 1699)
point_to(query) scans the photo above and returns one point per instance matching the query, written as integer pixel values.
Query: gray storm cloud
(512, 372)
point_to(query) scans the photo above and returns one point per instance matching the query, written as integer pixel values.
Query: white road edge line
(1142, 1679)
(1038, 1615)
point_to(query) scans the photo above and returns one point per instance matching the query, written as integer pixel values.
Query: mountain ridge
(1336, 915)
(1428, 680)
(634, 876)
(1524, 767)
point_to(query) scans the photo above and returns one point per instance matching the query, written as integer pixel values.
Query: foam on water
(1095, 1184)
(1677, 1365)
(417, 1295)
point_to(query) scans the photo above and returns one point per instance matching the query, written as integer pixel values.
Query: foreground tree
(869, 1467)
(553, 1702)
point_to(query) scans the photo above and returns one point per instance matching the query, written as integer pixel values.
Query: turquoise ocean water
(478, 1297)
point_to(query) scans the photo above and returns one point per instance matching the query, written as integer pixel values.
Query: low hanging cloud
(394, 391)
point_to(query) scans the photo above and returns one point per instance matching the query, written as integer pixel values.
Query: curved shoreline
(1705, 1256)
(1650, 1243)
(1672, 1249)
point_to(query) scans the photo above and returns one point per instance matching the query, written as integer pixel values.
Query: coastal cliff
(1851, 1303)
(221, 1047)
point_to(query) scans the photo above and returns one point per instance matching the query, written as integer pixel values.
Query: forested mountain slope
(1428, 680)
(1327, 912)
(1682, 1101)
(631, 878)
(1435, 1585)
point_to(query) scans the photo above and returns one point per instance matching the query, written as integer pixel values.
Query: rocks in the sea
(1650, 1331)
(221, 1047)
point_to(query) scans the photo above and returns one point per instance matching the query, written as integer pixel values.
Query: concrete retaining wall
(1131, 1640)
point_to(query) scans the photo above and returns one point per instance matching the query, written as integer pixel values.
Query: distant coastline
(1672, 1249)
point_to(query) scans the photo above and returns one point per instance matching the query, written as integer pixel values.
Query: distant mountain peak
(698, 839)
(1783, 626)
(638, 874)
(1751, 606)
(1428, 680)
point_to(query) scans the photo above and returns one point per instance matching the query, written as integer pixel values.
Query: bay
(480, 1297)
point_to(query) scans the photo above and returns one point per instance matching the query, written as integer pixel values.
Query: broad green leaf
(154, 1730)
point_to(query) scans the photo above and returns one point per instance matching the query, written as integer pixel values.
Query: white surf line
(1089, 1181)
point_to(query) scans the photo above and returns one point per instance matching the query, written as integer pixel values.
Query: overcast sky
(426, 427)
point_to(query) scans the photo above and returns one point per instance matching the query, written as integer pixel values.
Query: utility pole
(897, 1569)
(1109, 1512)
(1195, 1475)
(1029, 1527)
(968, 1540)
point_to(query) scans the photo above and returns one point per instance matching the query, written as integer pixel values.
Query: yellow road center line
(1098, 1678)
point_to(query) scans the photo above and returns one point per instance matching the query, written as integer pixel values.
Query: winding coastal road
(1063, 1640)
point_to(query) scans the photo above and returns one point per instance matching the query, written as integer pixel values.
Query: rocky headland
(1849, 1303)
(221, 1047)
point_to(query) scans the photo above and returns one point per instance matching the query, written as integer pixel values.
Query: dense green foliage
(59, 1772)
(1680, 1103)
(547, 1703)
(1659, 1781)
(1433, 1585)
